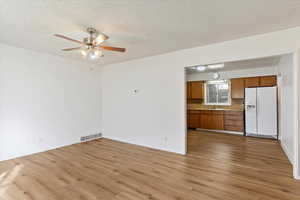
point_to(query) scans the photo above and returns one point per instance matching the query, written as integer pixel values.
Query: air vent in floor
(90, 137)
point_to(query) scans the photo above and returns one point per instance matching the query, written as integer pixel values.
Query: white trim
(296, 64)
(221, 131)
(185, 110)
(287, 152)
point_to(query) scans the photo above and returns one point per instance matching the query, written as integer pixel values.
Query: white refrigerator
(261, 112)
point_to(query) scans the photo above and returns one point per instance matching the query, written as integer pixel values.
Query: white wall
(263, 71)
(45, 102)
(286, 105)
(152, 117)
(157, 112)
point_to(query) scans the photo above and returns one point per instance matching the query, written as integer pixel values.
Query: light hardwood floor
(218, 166)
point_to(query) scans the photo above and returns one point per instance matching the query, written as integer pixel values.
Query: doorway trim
(296, 64)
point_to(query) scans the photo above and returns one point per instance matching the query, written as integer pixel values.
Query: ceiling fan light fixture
(83, 52)
(92, 54)
(98, 40)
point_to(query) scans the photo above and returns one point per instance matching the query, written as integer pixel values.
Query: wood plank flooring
(218, 166)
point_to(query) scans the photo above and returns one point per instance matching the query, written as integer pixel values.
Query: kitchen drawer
(212, 112)
(234, 122)
(234, 128)
(234, 117)
(235, 113)
(194, 111)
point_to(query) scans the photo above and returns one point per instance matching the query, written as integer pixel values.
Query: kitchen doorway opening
(243, 108)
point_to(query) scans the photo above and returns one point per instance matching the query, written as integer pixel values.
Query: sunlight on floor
(6, 178)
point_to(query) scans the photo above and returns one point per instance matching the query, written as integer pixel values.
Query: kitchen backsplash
(235, 104)
(202, 106)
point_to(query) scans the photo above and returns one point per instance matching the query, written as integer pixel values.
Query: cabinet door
(268, 81)
(205, 120)
(193, 120)
(252, 82)
(188, 90)
(213, 120)
(196, 89)
(218, 121)
(237, 88)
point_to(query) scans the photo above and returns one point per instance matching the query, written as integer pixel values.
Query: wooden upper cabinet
(252, 82)
(267, 81)
(237, 88)
(196, 89)
(188, 90)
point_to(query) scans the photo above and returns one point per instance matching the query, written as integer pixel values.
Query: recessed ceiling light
(200, 68)
(216, 66)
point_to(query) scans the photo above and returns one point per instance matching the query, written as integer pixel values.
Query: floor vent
(90, 137)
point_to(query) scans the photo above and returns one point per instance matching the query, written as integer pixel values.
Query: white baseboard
(297, 177)
(221, 131)
(287, 152)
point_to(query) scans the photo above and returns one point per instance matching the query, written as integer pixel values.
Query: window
(217, 92)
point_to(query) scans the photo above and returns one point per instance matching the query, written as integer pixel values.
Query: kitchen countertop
(238, 108)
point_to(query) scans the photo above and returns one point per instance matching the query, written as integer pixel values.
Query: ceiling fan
(91, 47)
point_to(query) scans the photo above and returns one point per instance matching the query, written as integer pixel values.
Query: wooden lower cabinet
(234, 121)
(193, 119)
(211, 120)
(216, 120)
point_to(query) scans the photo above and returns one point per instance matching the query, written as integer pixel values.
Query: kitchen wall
(155, 115)
(45, 101)
(286, 102)
(262, 71)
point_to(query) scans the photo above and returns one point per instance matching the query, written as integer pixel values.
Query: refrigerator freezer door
(267, 111)
(250, 111)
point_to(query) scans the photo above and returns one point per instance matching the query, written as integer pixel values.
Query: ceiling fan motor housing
(93, 35)
(88, 41)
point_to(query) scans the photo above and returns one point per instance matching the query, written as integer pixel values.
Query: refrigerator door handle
(250, 106)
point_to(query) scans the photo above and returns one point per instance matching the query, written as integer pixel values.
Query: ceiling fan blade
(71, 49)
(113, 48)
(67, 38)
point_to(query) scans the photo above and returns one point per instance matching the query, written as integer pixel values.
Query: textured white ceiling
(144, 27)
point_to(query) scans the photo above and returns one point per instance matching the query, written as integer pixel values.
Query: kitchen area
(245, 104)
(220, 98)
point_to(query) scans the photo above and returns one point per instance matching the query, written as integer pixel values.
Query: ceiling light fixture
(216, 66)
(91, 54)
(200, 68)
(91, 46)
